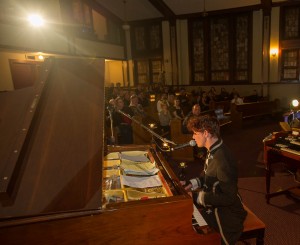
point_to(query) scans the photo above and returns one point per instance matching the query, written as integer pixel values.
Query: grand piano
(52, 177)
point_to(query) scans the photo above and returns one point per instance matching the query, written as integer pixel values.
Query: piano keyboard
(290, 150)
(198, 217)
(295, 142)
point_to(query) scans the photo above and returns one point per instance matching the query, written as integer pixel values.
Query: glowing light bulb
(36, 20)
(295, 103)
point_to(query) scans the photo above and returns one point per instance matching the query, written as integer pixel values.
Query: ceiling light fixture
(204, 13)
(125, 26)
(36, 20)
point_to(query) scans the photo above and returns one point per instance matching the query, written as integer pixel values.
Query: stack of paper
(136, 156)
(140, 182)
(137, 163)
(138, 168)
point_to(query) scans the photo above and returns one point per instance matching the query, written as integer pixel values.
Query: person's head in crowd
(171, 98)
(164, 96)
(182, 91)
(112, 102)
(126, 97)
(119, 103)
(134, 100)
(196, 110)
(164, 107)
(177, 102)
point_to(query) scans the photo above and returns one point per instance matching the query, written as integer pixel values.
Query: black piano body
(52, 150)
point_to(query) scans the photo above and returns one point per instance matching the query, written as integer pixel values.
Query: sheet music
(138, 168)
(136, 156)
(112, 156)
(199, 218)
(141, 182)
(111, 163)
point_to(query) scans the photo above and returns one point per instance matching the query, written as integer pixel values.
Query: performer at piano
(216, 189)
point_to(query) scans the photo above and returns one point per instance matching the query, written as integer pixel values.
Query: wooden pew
(250, 110)
(140, 134)
(180, 138)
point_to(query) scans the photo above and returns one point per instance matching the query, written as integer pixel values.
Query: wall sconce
(274, 52)
(41, 57)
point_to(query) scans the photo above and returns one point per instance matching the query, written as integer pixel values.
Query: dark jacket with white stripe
(223, 208)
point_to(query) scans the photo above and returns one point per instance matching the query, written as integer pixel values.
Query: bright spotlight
(295, 103)
(36, 20)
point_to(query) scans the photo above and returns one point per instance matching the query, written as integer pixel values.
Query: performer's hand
(188, 187)
(183, 182)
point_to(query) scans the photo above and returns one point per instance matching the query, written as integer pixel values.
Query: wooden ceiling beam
(163, 9)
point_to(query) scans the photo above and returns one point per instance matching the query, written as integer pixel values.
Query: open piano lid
(51, 144)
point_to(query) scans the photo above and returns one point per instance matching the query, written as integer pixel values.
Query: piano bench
(253, 228)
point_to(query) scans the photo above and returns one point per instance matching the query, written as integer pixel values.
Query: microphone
(110, 107)
(190, 143)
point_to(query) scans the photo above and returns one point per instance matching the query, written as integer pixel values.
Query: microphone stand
(148, 129)
(112, 137)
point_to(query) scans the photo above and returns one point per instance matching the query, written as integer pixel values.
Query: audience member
(177, 111)
(212, 94)
(195, 112)
(233, 92)
(162, 100)
(224, 95)
(126, 97)
(136, 108)
(183, 97)
(143, 99)
(237, 100)
(170, 100)
(122, 123)
(253, 97)
(204, 103)
(164, 118)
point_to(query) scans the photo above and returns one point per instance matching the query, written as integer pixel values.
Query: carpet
(281, 216)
